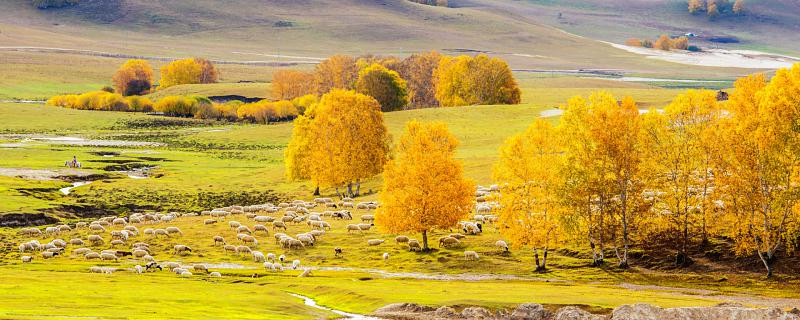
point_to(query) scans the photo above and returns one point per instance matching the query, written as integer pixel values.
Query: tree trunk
(350, 189)
(358, 188)
(316, 191)
(544, 260)
(767, 260)
(339, 194)
(536, 259)
(425, 240)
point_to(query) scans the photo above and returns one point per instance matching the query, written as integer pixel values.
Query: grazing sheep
(81, 225)
(243, 249)
(368, 218)
(186, 274)
(277, 266)
(181, 249)
(81, 251)
(385, 256)
(229, 248)
(117, 243)
(149, 231)
(457, 236)
(219, 239)
(172, 265)
(139, 269)
(179, 270)
(445, 242)
(149, 258)
(260, 227)
(209, 221)
(278, 224)
(152, 265)
(271, 257)
(375, 242)
(27, 259)
(91, 256)
(295, 244)
(119, 221)
(307, 240)
(132, 229)
(295, 264)
(108, 256)
(171, 230)
(282, 258)
(347, 205)
(259, 257)
(97, 227)
(264, 219)
(248, 239)
(200, 268)
(139, 253)
(338, 251)
(96, 270)
(49, 254)
(160, 232)
(353, 227)
(243, 229)
(471, 255)
(502, 245)
(413, 245)
(215, 274)
(401, 239)
(269, 266)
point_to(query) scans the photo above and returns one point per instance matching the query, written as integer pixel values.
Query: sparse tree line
(44, 4)
(664, 42)
(437, 3)
(669, 181)
(432, 80)
(715, 8)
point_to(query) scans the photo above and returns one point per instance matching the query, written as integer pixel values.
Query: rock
(404, 311)
(531, 311)
(477, 313)
(445, 312)
(649, 312)
(575, 313)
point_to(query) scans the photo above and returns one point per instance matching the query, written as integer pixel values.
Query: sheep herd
(119, 240)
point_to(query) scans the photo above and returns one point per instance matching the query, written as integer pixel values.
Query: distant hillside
(526, 33)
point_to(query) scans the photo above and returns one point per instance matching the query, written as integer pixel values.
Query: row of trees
(135, 77)
(664, 42)
(612, 178)
(418, 81)
(714, 8)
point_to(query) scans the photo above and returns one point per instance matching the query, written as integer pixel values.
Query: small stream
(67, 190)
(345, 315)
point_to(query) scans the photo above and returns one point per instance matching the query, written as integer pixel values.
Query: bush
(647, 43)
(178, 106)
(303, 103)
(633, 42)
(228, 110)
(95, 100)
(139, 104)
(694, 49)
(265, 111)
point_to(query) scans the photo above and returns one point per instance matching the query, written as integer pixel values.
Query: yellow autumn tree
(417, 70)
(336, 72)
(384, 85)
(696, 5)
(298, 152)
(135, 77)
(466, 80)
(530, 209)
(186, 71)
(348, 141)
(291, 84)
(208, 72)
(762, 165)
(424, 187)
(663, 43)
(681, 148)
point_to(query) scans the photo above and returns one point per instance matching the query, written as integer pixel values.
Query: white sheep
(181, 249)
(278, 224)
(108, 256)
(200, 268)
(215, 274)
(269, 266)
(139, 269)
(209, 221)
(282, 258)
(219, 239)
(91, 256)
(295, 264)
(471, 255)
(501, 244)
(27, 259)
(172, 230)
(401, 239)
(385, 256)
(259, 257)
(375, 242)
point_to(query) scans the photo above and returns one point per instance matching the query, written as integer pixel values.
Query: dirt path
(772, 302)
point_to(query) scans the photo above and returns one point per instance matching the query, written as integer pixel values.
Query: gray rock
(732, 312)
(477, 313)
(575, 313)
(531, 311)
(445, 312)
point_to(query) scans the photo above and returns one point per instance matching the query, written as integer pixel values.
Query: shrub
(95, 100)
(228, 110)
(178, 106)
(694, 49)
(647, 43)
(303, 103)
(139, 104)
(265, 111)
(633, 42)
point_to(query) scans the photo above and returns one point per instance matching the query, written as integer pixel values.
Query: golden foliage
(266, 111)
(186, 71)
(424, 188)
(208, 72)
(95, 100)
(336, 72)
(178, 106)
(465, 80)
(696, 5)
(529, 167)
(633, 42)
(663, 43)
(134, 77)
(291, 84)
(418, 70)
(384, 85)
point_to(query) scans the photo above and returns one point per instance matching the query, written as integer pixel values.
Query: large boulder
(531, 311)
(722, 312)
(477, 313)
(575, 313)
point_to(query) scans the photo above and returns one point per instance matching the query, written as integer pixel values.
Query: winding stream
(67, 190)
(346, 315)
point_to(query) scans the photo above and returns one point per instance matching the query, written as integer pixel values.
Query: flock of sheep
(116, 235)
